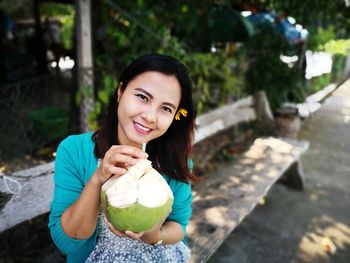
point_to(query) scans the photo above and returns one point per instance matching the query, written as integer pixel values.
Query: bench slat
(33, 199)
(227, 196)
(224, 117)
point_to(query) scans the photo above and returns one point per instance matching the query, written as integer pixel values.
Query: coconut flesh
(137, 200)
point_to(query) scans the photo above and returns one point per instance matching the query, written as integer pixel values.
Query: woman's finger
(114, 170)
(133, 235)
(131, 151)
(116, 231)
(119, 158)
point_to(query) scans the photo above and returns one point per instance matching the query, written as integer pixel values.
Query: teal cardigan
(74, 165)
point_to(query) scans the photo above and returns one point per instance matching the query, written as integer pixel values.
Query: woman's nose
(150, 115)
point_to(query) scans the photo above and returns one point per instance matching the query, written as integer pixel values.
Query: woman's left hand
(146, 236)
(127, 233)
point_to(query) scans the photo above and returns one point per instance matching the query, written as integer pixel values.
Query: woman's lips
(141, 129)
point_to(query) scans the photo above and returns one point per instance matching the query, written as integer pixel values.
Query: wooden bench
(225, 197)
(36, 191)
(220, 202)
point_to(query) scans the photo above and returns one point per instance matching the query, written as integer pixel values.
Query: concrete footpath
(309, 226)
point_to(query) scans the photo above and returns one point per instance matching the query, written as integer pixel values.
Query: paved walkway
(309, 226)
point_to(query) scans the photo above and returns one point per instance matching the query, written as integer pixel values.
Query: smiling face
(147, 107)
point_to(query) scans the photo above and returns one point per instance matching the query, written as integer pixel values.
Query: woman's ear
(120, 91)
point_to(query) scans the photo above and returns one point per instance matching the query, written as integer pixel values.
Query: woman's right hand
(116, 160)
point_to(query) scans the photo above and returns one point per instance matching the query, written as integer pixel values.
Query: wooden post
(85, 61)
(294, 176)
(39, 42)
(347, 67)
(264, 119)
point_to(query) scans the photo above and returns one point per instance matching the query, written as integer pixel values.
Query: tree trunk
(347, 67)
(40, 50)
(265, 120)
(85, 61)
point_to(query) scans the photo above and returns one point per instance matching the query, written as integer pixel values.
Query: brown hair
(169, 153)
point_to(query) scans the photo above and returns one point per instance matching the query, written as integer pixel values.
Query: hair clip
(182, 112)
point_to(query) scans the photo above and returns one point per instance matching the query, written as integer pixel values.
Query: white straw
(144, 147)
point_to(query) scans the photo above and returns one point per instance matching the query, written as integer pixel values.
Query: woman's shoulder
(78, 139)
(77, 144)
(77, 150)
(177, 185)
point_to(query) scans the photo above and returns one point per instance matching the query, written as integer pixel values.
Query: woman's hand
(138, 235)
(116, 160)
(127, 233)
(154, 235)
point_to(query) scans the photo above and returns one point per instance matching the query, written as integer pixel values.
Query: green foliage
(67, 30)
(65, 15)
(317, 83)
(127, 30)
(209, 23)
(339, 49)
(282, 82)
(311, 14)
(213, 80)
(326, 21)
(56, 9)
(84, 91)
(108, 87)
(337, 46)
(319, 37)
(17, 9)
(338, 65)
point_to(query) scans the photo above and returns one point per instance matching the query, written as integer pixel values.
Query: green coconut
(137, 200)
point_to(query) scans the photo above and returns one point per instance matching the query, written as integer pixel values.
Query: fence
(33, 113)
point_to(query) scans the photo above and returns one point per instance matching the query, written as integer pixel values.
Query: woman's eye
(142, 97)
(167, 109)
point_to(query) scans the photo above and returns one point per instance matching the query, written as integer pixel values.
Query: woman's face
(147, 107)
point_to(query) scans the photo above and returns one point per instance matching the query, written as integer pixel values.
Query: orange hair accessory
(182, 112)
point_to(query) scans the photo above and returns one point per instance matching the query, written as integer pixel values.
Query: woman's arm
(79, 220)
(171, 232)
(69, 183)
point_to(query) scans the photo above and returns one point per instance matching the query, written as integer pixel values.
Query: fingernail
(143, 154)
(128, 232)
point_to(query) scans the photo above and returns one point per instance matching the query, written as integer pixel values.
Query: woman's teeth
(141, 127)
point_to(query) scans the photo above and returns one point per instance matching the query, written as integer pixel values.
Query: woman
(153, 104)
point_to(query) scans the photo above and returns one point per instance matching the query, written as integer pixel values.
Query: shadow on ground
(308, 226)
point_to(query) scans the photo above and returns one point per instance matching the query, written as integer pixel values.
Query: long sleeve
(182, 206)
(69, 182)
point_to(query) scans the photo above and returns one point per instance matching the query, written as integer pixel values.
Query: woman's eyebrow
(151, 96)
(145, 91)
(170, 105)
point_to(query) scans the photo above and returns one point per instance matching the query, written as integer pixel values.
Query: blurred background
(290, 49)
(60, 61)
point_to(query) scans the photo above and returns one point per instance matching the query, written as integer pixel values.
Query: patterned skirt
(111, 248)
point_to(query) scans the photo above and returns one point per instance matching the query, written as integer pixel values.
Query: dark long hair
(169, 153)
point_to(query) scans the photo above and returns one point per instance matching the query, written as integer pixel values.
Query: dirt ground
(312, 225)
